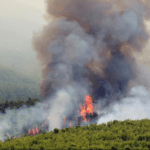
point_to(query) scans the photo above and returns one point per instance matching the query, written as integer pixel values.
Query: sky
(19, 19)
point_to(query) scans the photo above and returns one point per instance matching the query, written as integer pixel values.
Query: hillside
(14, 85)
(114, 135)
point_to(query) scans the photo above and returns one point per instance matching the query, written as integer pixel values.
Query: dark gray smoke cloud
(87, 48)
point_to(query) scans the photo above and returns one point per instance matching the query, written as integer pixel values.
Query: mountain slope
(14, 85)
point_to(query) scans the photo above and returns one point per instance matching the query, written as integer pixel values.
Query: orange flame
(64, 123)
(37, 130)
(70, 124)
(33, 132)
(29, 132)
(87, 107)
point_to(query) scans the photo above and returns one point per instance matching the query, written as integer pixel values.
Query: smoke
(135, 107)
(87, 48)
(18, 121)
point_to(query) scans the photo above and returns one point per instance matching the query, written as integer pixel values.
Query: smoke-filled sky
(95, 47)
(19, 19)
(89, 47)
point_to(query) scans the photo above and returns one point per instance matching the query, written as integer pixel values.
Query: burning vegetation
(86, 115)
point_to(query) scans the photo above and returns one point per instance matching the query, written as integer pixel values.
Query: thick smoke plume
(87, 48)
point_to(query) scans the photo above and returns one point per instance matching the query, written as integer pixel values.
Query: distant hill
(15, 86)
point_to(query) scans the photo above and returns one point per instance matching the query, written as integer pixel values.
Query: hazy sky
(19, 19)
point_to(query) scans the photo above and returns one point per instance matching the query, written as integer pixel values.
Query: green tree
(56, 131)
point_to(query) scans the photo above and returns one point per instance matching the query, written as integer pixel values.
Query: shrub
(113, 148)
(56, 131)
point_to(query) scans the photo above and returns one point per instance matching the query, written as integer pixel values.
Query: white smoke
(64, 102)
(14, 121)
(135, 107)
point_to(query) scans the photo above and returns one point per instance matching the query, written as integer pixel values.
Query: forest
(19, 91)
